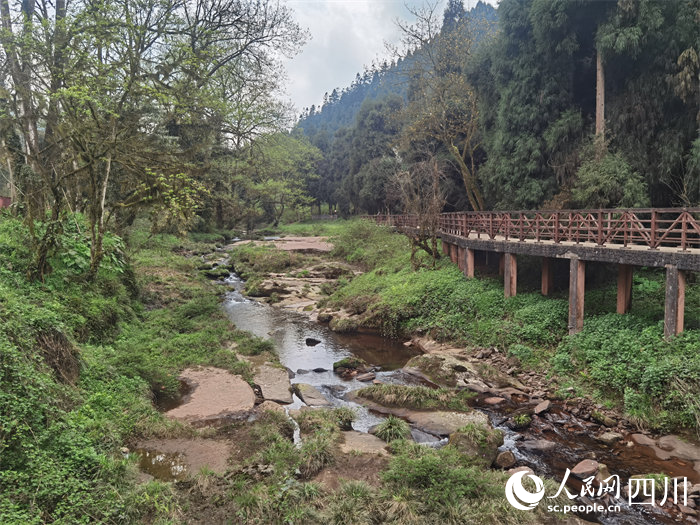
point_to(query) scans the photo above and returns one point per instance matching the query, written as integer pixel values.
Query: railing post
(684, 230)
(556, 227)
(652, 234)
(491, 225)
(600, 228)
(537, 227)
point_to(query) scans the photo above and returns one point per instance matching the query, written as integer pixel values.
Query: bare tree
(421, 192)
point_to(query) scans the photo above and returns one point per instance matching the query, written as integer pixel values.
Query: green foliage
(393, 428)
(609, 182)
(368, 244)
(657, 379)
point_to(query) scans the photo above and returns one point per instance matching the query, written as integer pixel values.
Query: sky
(346, 36)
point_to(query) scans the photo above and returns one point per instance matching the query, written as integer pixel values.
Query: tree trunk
(600, 99)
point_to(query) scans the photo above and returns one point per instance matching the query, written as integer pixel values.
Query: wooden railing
(651, 228)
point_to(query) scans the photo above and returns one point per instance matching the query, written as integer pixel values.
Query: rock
(369, 376)
(324, 317)
(408, 344)
(361, 442)
(311, 341)
(320, 370)
(585, 468)
(493, 401)
(505, 460)
(350, 366)
(376, 382)
(474, 387)
(423, 437)
(479, 441)
(687, 510)
(695, 489)
(538, 446)
(343, 324)
(609, 438)
(290, 373)
(603, 473)
(641, 439)
(679, 448)
(441, 423)
(270, 406)
(444, 370)
(310, 395)
(302, 371)
(216, 394)
(542, 407)
(274, 383)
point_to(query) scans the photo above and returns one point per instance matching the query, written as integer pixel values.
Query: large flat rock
(274, 383)
(179, 458)
(438, 422)
(310, 395)
(361, 442)
(216, 394)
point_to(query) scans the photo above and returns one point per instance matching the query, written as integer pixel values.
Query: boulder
(494, 401)
(505, 460)
(479, 441)
(369, 376)
(310, 395)
(312, 341)
(274, 384)
(350, 367)
(679, 448)
(444, 370)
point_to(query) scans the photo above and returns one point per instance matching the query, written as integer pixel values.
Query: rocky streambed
(530, 431)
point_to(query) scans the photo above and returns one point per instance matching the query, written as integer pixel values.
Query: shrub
(393, 428)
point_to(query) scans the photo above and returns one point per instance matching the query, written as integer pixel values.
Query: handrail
(651, 227)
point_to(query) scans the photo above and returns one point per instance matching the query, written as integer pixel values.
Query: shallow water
(289, 330)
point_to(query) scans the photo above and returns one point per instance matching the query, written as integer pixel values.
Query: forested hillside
(559, 104)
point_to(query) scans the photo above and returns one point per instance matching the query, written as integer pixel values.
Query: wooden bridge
(667, 238)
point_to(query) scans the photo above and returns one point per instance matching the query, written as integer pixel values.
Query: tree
(442, 104)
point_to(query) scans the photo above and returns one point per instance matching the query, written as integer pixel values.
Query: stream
(288, 330)
(313, 364)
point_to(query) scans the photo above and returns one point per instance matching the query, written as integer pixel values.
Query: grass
(417, 397)
(393, 428)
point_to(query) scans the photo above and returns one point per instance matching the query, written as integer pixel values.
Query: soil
(353, 467)
(179, 458)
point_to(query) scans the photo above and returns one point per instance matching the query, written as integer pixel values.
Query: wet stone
(538, 446)
(585, 468)
(609, 438)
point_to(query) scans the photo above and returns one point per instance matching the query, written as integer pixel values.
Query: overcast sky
(346, 36)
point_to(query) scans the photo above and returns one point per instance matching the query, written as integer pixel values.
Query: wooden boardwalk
(659, 237)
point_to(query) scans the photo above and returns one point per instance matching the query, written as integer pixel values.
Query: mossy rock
(350, 363)
(343, 325)
(478, 441)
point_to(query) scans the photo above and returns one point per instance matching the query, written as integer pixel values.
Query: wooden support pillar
(577, 292)
(453, 253)
(547, 275)
(624, 288)
(468, 263)
(501, 264)
(510, 275)
(675, 301)
(445, 248)
(460, 258)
